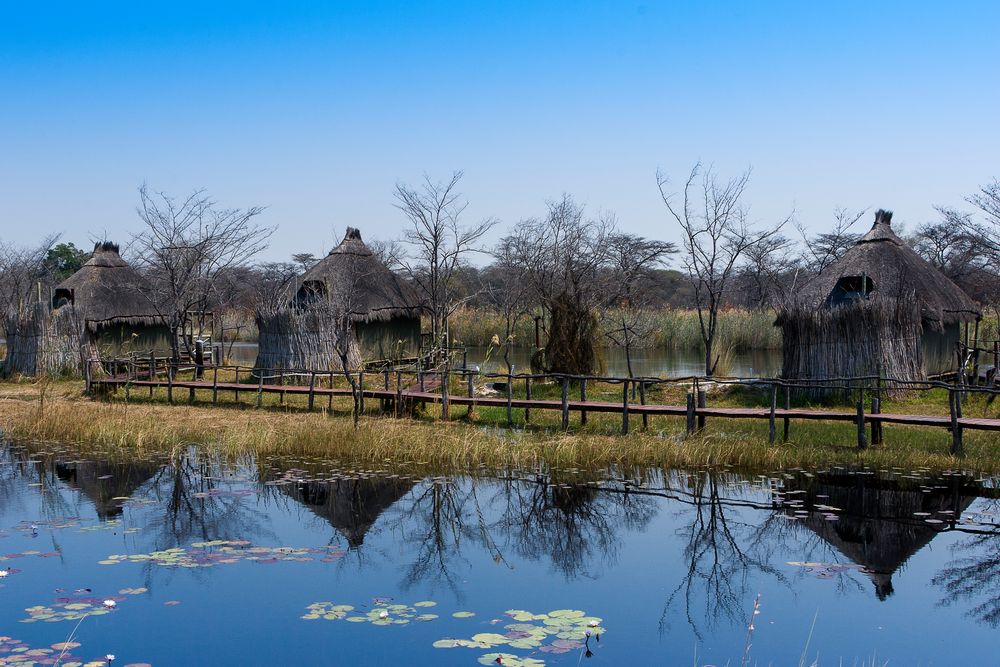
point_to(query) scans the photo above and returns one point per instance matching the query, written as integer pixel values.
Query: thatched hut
(881, 523)
(351, 506)
(384, 313)
(114, 302)
(880, 309)
(102, 310)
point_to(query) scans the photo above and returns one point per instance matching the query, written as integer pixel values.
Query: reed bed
(674, 329)
(56, 412)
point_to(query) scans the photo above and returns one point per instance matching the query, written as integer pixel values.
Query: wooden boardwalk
(624, 408)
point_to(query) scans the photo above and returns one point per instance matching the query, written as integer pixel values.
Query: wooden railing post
(788, 406)
(625, 387)
(215, 384)
(152, 372)
(260, 385)
(170, 382)
(329, 397)
(470, 389)
(642, 401)
(399, 394)
(954, 403)
(876, 423)
(527, 395)
(702, 403)
(281, 383)
(385, 386)
(690, 413)
(510, 397)
(445, 406)
(862, 436)
(236, 392)
(565, 403)
(772, 431)
(583, 399)
(88, 379)
(312, 389)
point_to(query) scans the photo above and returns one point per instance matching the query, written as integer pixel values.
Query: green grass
(56, 412)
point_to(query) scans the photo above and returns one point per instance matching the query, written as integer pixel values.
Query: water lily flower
(592, 624)
(110, 604)
(383, 614)
(4, 573)
(110, 657)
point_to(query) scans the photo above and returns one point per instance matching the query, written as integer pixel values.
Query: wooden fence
(457, 387)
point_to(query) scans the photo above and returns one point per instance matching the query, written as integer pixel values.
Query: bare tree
(567, 257)
(506, 288)
(306, 260)
(717, 235)
(186, 245)
(632, 259)
(769, 273)
(24, 274)
(440, 244)
(826, 248)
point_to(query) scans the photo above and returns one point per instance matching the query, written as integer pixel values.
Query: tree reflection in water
(576, 527)
(974, 577)
(722, 551)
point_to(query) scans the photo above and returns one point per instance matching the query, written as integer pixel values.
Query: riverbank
(56, 411)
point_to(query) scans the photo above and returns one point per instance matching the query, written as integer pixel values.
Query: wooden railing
(457, 386)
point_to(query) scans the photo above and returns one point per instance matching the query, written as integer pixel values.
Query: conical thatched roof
(102, 482)
(895, 271)
(107, 289)
(351, 506)
(378, 293)
(881, 523)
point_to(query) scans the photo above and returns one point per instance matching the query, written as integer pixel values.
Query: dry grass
(55, 411)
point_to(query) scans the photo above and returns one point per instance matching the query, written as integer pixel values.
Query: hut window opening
(311, 292)
(852, 288)
(62, 297)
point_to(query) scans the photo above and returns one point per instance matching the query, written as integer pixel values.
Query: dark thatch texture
(384, 309)
(378, 293)
(878, 526)
(352, 506)
(43, 343)
(875, 337)
(872, 313)
(895, 270)
(105, 483)
(302, 340)
(107, 290)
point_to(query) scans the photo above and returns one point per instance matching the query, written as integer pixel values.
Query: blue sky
(316, 111)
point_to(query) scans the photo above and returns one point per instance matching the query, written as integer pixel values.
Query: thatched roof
(378, 294)
(350, 505)
(107, 290)
(880, 522)
(102, 482)
(894, 270)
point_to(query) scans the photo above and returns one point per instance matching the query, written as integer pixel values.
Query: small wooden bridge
(395, 389)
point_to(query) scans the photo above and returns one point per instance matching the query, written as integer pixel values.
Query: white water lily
(110, 604)
(383, 614)
(4, 573)
(110, 657)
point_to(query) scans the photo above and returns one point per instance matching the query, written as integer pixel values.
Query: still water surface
(650, 363)
(301, 561)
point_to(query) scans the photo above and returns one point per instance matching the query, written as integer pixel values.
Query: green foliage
(65, 259)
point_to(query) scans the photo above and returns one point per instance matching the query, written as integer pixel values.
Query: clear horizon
(317, 113)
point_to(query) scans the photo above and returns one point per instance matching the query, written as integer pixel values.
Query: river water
(300, 561)
(648, 362)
